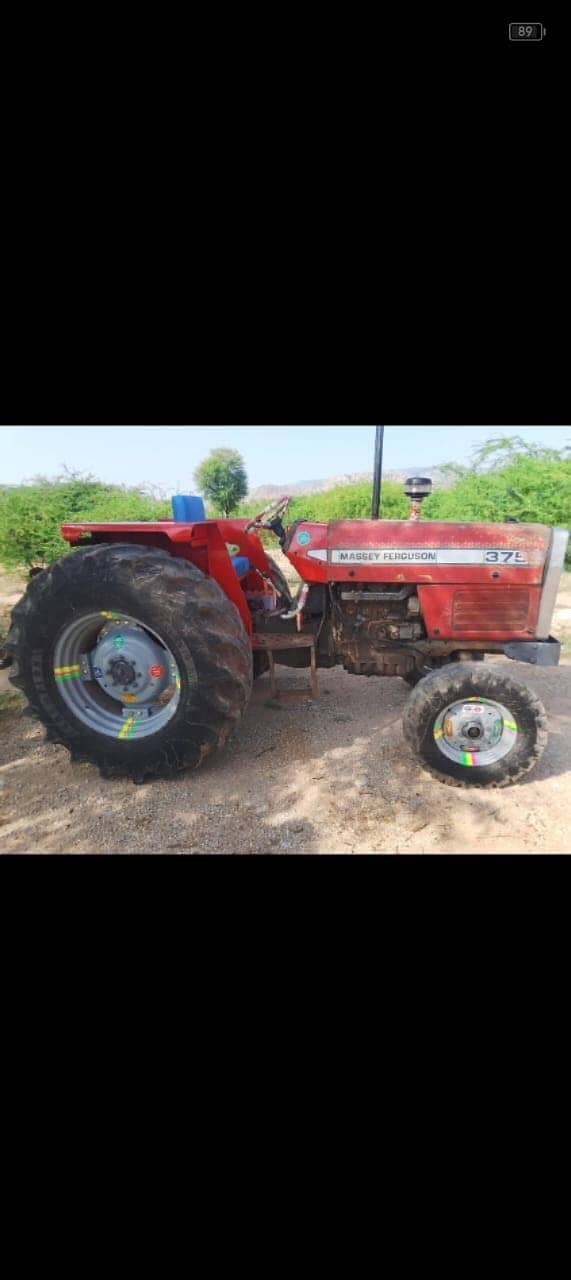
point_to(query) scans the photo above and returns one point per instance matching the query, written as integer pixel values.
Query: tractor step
(278, 643)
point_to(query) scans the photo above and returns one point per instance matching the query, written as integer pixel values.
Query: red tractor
(138, 649)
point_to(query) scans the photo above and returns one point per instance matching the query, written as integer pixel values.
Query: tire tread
(448, 685)
(208, 620)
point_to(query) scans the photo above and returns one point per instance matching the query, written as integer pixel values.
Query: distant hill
(439, 479)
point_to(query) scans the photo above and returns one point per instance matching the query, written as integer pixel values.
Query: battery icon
(527, 31)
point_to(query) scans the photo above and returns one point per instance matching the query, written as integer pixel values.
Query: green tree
(222, 479)
(500, 451)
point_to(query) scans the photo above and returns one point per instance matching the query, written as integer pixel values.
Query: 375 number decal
(504, 557)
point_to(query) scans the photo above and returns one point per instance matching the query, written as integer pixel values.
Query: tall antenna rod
(378, 472)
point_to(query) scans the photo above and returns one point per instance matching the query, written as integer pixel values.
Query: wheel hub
(121, 672)
(116, 676)
(475, 732)
(126, 661)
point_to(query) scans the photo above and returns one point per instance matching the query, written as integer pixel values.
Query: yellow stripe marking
(65, 671)
(123, 732)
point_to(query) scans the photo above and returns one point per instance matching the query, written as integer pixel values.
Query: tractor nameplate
(424, 555)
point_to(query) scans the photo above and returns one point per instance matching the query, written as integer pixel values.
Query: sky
(167, 456)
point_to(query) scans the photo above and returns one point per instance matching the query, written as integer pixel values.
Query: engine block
(367, 618)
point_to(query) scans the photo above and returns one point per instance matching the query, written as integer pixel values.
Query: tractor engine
(366, 618)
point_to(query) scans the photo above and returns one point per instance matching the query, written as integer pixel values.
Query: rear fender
(203, 544)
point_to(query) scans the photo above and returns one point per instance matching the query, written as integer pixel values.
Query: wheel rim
(475, 732)
(116, 675)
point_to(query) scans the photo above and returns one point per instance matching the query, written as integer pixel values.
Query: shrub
(31, 515)
(532, 490)
(346, 502)
(506, 478)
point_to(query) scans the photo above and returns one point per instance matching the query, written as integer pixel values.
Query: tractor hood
(422, 552)
(473, 580)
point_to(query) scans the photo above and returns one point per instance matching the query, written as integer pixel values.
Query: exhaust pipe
(378, 473)
(417, 488)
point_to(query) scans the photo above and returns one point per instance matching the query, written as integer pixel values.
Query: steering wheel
(275, 509)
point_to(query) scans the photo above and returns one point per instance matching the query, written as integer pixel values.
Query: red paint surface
(475, 601)
(496, 616)
(202, 544)
(533, 539)
(504, 614)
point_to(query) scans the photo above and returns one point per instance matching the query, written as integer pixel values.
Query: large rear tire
(472, 725)
(176, 611)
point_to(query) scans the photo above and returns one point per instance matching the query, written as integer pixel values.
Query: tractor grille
(490, 609)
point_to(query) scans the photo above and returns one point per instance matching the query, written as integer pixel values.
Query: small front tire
(472, 725)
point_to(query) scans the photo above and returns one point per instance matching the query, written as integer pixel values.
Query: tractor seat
(187, 509)
(241, 565)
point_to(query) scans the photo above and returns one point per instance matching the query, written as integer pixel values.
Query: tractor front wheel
(412, 678)
(133, 659)
(470, 724)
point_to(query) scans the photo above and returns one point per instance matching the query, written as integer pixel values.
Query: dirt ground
(335, 776)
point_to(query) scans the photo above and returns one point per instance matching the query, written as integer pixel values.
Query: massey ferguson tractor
(138, 649)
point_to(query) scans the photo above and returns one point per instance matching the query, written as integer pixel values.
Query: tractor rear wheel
(470, 724)
(133, 659)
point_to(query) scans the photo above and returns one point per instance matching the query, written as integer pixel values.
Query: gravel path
(298, 778)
